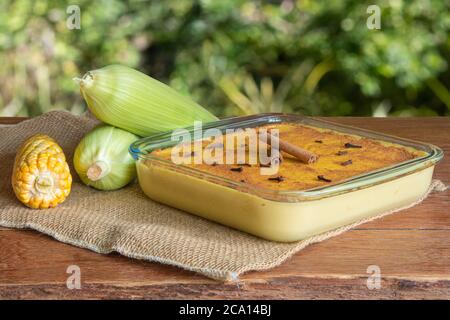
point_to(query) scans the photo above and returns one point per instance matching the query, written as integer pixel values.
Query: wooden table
(411, 248)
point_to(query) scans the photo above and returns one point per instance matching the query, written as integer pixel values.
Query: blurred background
(234, 57)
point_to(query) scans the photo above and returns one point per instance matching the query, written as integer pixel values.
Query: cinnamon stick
(300, 153)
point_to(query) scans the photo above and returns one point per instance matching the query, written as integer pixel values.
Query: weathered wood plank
(411, 248)
(11, 120)
(281, 288)
(419, 255)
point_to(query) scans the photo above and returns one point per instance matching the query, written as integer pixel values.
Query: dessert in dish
(358, 174)
(340, 157)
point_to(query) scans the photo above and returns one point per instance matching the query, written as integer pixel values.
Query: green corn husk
(101, 159)
(128, 99)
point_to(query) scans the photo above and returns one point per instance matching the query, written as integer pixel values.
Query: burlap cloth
(127, 222)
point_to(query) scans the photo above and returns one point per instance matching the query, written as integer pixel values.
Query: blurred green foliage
(235, 56)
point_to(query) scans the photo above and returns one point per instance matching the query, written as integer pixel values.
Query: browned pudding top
(341, 156)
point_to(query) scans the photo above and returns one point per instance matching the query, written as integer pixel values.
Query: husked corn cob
(41, 177)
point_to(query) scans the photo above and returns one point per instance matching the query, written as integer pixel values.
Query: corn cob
(102, 160)
(130, 100)
(41, 177)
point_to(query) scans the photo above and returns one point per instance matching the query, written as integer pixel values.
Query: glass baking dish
(283, 215)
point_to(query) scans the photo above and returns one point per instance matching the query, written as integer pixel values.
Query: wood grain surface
(411, 248)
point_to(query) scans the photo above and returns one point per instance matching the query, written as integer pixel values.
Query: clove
(278, 179)
(346, 163)
(322, 178)
(350, 145)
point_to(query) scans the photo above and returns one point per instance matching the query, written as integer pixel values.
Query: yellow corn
(41, 177)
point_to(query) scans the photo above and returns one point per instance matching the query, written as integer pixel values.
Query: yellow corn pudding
(340, 156)
(357, 175)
